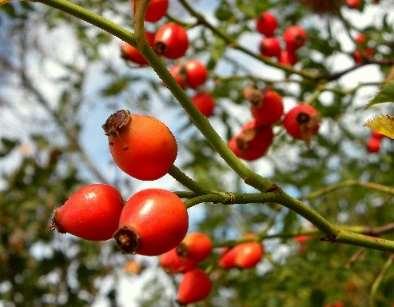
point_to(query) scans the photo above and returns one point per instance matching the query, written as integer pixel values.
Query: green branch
(92, 18)
(188, 182)
(350, 183)
(378, 280)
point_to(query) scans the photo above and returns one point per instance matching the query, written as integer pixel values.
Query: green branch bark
(350, 183)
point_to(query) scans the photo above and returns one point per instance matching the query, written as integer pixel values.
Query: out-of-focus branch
(349, 183)
(378, 280)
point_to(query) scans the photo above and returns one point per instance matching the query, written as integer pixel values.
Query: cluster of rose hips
(294, 37)
(256, 136)
(374, 142)
(171, 41)
(362, 52)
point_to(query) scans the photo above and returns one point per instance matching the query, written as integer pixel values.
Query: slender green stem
(186, 194)
(378, 280)
(92, 18)
(188, 182)
(349, 183)
(233, 44)
(232, 198)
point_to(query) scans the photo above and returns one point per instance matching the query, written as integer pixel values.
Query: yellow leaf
(383, 124)
(4, 2)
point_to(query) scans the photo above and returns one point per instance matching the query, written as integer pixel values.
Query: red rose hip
(266, 24)
(196, 73)
(156, 10)
(91, 213)
(171, 41)
(195, 286)
(196, 246)
(130, 53)
(248, 254)
(302, 122)
(152, 222)
(294, 37)
(270, 47)
(252, 142)
(269, 110)
(172, 262)
(204, 102)
(141, 146)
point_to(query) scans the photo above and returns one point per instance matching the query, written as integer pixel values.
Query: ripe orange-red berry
(171, 41)
(248, 254)
(194, 286)
(130, 53)
(91, 213)
(270, 47)
(302, 121)
(287, 57)
(360, 39)
(204, 102)
(196, 73)
(377, 135)
(173, 262)
(362, 55)
(156, 10)
(196, 246)
(152, 222)
(244, 255)
(353, 4)
(294, 37)
(269, 110)
(179, 74)
(373, 144)
(252, 142)
(266, 24)
(141, 145)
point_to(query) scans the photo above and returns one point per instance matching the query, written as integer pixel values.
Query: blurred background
(60, 78)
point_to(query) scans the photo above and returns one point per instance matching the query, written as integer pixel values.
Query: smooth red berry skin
(252, 142)
(143, 147)
(360, 39)
(152, 222)
(194, 286)
(266, 24)
(270, 110)
(270, 47)
(171, 41)
(156, 10)
(302, 239)
(248, 254)
(302, 121)
(196, 246)
(373, 145)
(205, 103)
(353, 4)
(362, 55)
(377, 135)
(91, 213)
(132, 54)
(172, 262)
(244, 256)
(196, 73)
(227, 259)
(288, 58)
(294, 37)
(179, 74)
